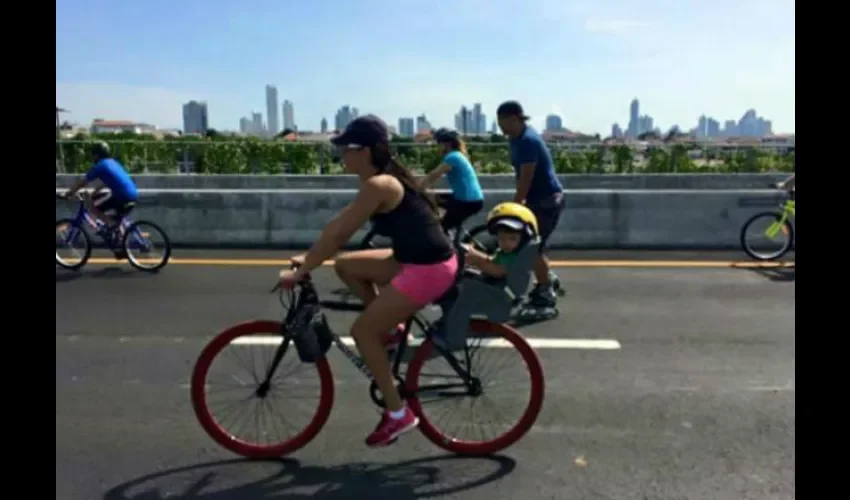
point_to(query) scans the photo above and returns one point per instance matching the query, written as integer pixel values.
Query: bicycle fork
(777, 226)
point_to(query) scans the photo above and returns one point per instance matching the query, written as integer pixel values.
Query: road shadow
(290, 479)
(111, 272)
(776, 274)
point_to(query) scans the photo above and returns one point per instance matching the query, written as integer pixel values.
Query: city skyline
(472, 120)
(717, 59)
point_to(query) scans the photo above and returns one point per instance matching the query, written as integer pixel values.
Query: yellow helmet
(514, 216)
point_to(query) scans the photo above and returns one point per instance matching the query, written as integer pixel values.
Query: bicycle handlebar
(77, 195)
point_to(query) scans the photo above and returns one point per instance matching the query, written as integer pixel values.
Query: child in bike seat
(513, 225)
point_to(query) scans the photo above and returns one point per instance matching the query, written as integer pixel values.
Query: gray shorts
(548, 212)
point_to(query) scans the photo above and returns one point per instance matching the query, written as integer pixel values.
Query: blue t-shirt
(462, 178)
(529, 147)
(113, 176)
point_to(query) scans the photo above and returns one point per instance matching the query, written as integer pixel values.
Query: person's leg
(362, 270)
(548, 215)
(98, 204)
(412, 289)
(383, 313)
(458, 212)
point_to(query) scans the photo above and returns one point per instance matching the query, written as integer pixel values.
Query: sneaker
(542, 296)
(389, 429)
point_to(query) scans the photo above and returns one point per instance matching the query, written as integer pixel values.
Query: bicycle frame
(84, 216)
(307, 295)
(788, 210)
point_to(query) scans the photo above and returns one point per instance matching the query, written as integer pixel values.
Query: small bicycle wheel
(764, 238)
(495, 338)
(301, 379)
(70, 234)
(142, 236)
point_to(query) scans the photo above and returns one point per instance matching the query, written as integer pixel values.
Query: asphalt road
(698, 403)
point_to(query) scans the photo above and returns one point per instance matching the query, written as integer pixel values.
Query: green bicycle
(770, 235)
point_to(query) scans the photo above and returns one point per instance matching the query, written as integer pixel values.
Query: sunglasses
(342, 148)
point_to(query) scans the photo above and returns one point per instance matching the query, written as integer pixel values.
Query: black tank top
(415, 231)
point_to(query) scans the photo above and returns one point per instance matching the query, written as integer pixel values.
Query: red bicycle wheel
(503, 337)
(270, 331)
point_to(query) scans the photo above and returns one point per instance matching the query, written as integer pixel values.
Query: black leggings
(457, 211)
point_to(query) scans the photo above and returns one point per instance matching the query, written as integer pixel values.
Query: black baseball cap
(511, 108)
(366, 131)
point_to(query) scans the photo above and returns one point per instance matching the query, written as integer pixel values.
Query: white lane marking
(746, 388)
(537, 343)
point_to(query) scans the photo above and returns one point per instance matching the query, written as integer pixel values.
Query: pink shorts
(425, 283)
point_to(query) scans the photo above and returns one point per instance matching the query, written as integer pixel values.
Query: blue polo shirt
(462, 178)
(113, 176)
(529, 147)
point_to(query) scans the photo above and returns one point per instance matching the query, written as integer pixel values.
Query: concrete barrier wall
(593, 218)
(570, 181)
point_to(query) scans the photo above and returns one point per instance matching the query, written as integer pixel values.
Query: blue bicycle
(123, 240)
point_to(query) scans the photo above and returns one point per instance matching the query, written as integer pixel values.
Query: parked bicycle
(133, 236)
(305, 327)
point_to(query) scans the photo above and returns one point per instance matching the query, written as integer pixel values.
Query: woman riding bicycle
(466, 198)
(419, 268)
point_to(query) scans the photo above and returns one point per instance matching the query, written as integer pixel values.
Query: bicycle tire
(514, 434)
(86, 238)
(225, 438)
(132, 260)
(775, 255)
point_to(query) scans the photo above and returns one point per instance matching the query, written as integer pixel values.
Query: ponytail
(461, 146)
(458, 144)
(382, 159)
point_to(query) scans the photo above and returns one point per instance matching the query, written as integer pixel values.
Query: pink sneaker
(389, 429)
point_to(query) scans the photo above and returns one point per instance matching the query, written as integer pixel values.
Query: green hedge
(256, 156)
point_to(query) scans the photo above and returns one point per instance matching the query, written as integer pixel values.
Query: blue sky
(584, 60)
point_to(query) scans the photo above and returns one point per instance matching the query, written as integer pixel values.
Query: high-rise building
(344, 116)
(195, 119)
(271, 110)
(477, 125)
(324, 126)
(464, 121)
(616, 131)
(645, 124)
(257, 127)
(634, 118)
(245, 125)
(405, 127)
(554, 123)
(288, 115)
(422, 124)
